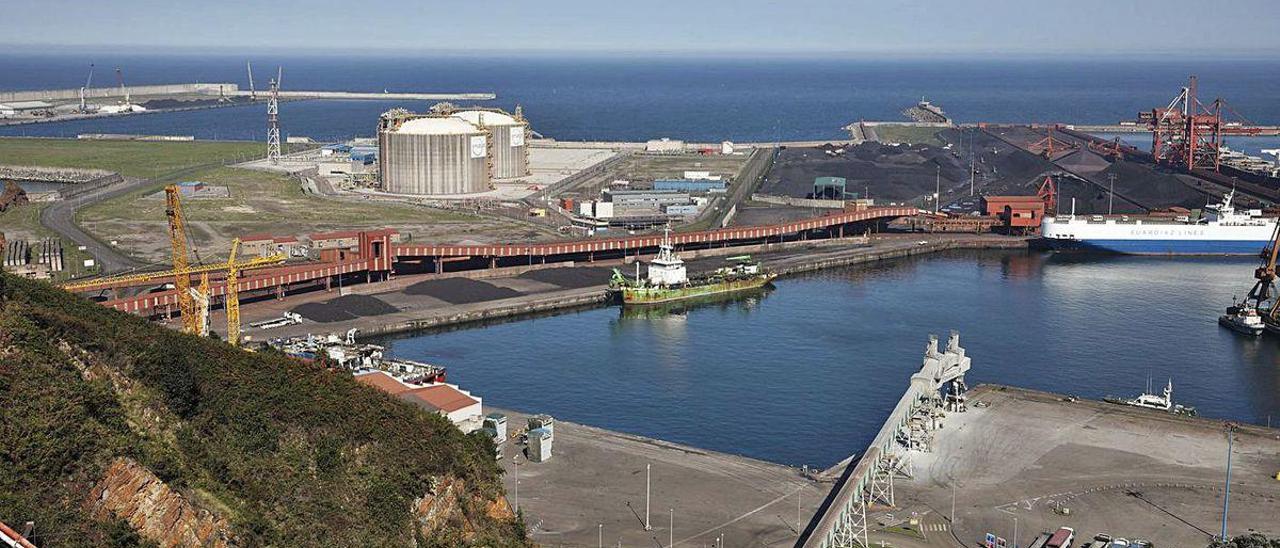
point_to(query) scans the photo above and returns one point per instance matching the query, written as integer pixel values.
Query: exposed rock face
(132, 493)
(434, 511)
(12, 196)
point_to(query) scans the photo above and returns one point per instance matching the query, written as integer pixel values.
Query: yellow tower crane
(232, 302)
(181, 264)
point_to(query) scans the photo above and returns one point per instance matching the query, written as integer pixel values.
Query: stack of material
(38, 262)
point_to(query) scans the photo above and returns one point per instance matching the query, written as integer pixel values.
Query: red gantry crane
(1188, 133)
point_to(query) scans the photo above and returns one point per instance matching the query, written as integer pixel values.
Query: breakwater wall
(117, 91)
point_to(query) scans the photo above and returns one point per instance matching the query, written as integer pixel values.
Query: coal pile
(570, 278)
(344, 308)
(461, 290)
(1152, 186)
(888, 172)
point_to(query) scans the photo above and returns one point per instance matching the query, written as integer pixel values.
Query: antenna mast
(273, 124)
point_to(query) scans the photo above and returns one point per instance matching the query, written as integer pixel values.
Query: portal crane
(1266, 275)
(87, 83)
(1188, 133)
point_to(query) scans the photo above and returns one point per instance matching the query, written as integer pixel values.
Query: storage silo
(510, 154)
(432, 154)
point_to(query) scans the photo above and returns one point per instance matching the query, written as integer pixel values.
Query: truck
(1062, 538)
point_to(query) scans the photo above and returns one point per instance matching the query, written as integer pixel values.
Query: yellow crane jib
(256, 262)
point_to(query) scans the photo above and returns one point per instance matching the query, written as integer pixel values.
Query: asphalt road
(60, 217)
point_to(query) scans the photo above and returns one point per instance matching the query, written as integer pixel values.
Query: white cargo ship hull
(1223, 231)
(1144, 238)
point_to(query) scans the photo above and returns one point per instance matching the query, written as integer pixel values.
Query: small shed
(540, 445)
(829, 188)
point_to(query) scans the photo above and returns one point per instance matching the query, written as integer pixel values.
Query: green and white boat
(667, 279)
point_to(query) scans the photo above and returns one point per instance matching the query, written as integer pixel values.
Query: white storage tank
(510, 154)
(432, 155)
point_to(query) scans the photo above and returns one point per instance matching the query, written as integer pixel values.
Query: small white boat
(1243, 318)
(1157, 402)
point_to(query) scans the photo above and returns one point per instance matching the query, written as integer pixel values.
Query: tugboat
(1243, 317)
(1158, 402)
(669, 281)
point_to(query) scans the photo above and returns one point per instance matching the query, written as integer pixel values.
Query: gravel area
(344, 308)
(461, 290)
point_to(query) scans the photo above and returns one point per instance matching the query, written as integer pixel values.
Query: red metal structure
(1048, 193)
(376, 256)
(1050, 146)
(1188, 134)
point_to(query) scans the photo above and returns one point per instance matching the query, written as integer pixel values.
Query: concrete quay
(1049, 461)
(592, 492)
(420, 312)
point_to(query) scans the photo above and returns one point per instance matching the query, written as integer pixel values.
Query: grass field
(128, 158)
(258, 202)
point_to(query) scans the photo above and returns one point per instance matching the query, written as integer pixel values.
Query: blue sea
(636, 97)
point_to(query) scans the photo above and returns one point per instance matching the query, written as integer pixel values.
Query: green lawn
(128, 158)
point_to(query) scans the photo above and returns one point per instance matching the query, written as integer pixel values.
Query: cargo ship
(669, 281)
(1221, 231)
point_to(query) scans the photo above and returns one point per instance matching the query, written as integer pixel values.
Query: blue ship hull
(1161, 247)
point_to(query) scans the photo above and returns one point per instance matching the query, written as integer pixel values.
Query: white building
(459, 406)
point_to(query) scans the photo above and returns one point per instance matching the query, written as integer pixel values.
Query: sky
(835, 27)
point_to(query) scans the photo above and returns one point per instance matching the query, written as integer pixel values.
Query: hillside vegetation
(115, 432)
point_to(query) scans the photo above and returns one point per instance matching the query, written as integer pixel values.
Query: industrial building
(459, 406)
(691, 185)
(506, 139)
(432, 154)
(626, 201)
(1017, 214)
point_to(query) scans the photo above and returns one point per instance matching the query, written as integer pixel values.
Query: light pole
(953, 503)
(647, 526)
(937, 188)
(1226, 498)
(1111, 196)
(600, 528)
(671, 528)
(515, 463)
(1015, 531)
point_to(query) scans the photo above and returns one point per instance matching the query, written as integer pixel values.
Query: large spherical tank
(433, 155)
(510, 154)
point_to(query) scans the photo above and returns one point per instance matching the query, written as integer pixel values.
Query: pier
(867, 480)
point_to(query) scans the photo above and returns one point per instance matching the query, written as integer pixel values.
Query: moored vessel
(668, 280)
(1157, 402)
(1221, 231)
(1243, 317)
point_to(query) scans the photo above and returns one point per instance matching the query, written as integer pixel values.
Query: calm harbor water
(806, 373)
(636, 97)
